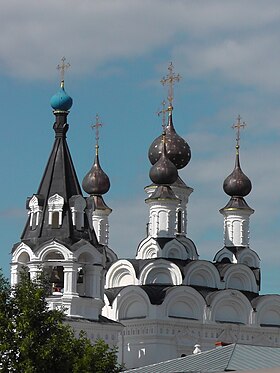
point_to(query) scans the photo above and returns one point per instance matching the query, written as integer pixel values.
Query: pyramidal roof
(59, 179)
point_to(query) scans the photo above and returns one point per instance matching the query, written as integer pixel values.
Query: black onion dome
(178, 150)
(96, 182)
(163, 172)
(237, 183)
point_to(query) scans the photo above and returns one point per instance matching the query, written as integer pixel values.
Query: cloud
(232, 39)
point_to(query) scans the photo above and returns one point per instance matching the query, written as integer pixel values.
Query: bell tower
(58, 237)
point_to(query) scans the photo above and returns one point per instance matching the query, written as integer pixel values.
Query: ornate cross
(63, 67)
(96, 127)
(170, 79)
(163, 113)
(238, 125)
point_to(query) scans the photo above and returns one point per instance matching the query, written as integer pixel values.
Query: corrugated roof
(229, 358)
(253, 357)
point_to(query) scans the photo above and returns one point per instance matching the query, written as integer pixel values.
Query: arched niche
(189, 247)
(133, 303)
(85, 258)
(53, 251)
(22, 253)
(159, 276)
(53, 255)
(267, 309)
(240, 277)
(121, 273)
(249, 258)
(225, 256)
(228, 306)
(148, 248)
(202, 273)
(184, 303)
(89, 253)
(160, 272)
(174, 249)
(23, 258)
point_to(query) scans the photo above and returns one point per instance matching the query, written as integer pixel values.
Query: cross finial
(62, 68)
(162, 113)
(170, 79)
(238, 125)
(96, 127)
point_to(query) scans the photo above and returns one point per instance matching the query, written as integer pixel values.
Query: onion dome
(96, 182)
(237, 183)
(163, 172)
(61, 101)
(177, 149)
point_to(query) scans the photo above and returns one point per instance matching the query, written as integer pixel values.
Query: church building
(159, 304)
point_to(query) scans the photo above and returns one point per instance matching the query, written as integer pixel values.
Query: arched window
(55, 207)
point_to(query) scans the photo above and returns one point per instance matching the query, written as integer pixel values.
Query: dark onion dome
(61, 101)
(163, 172)
(96, 182)
(178, 150)
(237, 183)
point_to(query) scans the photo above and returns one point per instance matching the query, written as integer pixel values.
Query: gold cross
(96, 127)
(62, 68)
(238, 125)
(170, 79)
(163, 113)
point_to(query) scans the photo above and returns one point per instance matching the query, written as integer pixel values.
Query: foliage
(34, 339)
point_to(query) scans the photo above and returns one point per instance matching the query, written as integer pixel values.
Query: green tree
(35, 339)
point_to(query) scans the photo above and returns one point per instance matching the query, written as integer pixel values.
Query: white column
(100, 222)
(92, 281)
(34, 271)
(70, 279)
(14, 274)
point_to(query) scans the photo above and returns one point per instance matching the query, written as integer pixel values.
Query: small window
(179, 221)
(55, 219)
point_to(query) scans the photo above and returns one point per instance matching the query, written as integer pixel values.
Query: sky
(228, 55)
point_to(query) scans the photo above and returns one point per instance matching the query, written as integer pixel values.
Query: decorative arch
(161, 272)
(53, 249)
(84, 249)
(55, 208)
(184, 303)
(133, 303)
(229, 306)
(174, 249)
(22, 248)
(148, 249)
(225, 255)
(267, 309)
(121, 273)
(249, 258)
(189, 247)
(202, 273)
(77, 205)
(240, 277)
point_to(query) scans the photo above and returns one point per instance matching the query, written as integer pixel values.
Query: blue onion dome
(163, 172)
(178, 150)
(61, 101)
(237, 184)
(96, 182)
